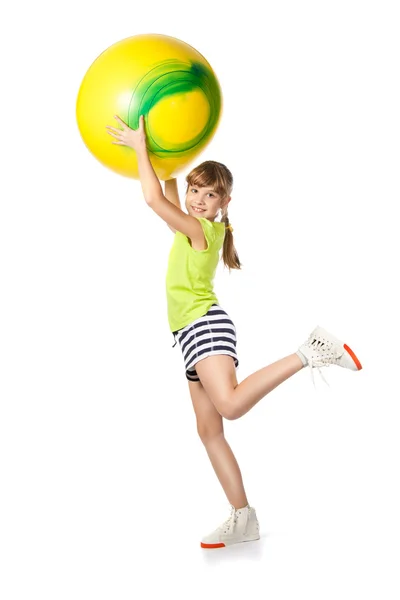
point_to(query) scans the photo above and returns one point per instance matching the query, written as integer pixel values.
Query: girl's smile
(203, 201)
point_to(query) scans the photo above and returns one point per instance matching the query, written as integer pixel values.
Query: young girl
(205, 332)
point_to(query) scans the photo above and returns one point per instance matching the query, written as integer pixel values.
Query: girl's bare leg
(211, 432)
(232, 400)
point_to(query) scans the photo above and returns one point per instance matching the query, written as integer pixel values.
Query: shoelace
(229, 523)
(330, 357)
(312, 366)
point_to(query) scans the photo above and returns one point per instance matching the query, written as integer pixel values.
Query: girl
(205, 332)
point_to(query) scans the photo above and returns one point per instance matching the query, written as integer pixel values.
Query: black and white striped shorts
(213, 333)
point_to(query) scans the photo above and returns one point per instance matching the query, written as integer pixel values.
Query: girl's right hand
(133, 138)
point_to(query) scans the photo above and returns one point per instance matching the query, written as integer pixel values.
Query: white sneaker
(242, 526)
(323, 349)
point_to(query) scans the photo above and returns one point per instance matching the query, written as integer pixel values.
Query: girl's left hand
(134, 138)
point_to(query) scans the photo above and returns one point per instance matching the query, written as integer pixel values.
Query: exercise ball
(167, 81)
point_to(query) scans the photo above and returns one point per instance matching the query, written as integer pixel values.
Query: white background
(106, 489)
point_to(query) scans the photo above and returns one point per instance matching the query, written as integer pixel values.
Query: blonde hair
(218, 176)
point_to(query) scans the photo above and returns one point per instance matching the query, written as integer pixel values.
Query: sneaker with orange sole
(322, 349)
(242, 526)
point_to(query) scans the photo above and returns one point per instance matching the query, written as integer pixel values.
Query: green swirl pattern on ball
(167, 79)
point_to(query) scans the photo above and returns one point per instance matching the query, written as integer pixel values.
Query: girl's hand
(134, 138)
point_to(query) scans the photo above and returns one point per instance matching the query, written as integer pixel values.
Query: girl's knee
(229, 412)
(208, 433)
(227, 409)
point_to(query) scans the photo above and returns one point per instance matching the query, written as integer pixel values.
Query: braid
(225, 218)
(229, 254)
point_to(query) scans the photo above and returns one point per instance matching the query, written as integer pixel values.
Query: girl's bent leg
(232, 400)
(211, 432)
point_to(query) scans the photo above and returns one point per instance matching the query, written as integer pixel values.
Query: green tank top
(190, 275)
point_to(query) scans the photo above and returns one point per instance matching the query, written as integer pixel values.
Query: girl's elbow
(152, 199)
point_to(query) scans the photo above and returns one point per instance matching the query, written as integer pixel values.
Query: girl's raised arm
(172, 214)
(172, 194)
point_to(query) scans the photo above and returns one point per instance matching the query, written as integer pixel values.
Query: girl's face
(204, 202)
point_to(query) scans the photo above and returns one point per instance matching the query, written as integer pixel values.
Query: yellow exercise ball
(164, 79)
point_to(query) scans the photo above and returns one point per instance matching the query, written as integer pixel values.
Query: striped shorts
(213, 333)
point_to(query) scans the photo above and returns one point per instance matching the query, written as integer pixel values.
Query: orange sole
(212, 545)
(353, 356)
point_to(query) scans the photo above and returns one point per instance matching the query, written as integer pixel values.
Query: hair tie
(229, 227)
